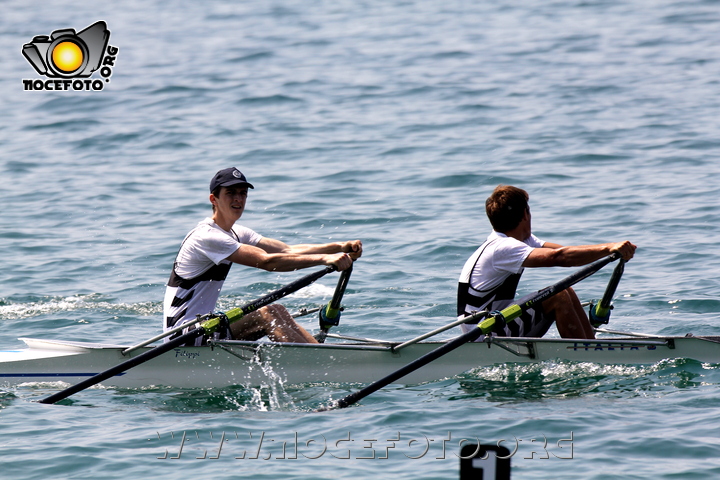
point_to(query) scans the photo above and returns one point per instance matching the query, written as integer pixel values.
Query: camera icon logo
(67, 54)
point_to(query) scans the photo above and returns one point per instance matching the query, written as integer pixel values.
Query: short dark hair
(216, 194)
(506, 207)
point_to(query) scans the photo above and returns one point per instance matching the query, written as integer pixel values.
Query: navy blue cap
(227, 177)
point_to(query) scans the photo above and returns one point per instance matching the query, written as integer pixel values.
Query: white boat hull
(258, 363)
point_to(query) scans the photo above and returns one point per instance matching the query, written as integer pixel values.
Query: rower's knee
(277, 313)
(557, 302)
(569, 293)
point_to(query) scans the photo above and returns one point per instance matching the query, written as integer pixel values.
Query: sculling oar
(484, 327)
(330, 314)
(207, 327)
(600, 313)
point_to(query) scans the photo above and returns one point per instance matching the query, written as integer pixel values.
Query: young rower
(490, 276)
(209, 250)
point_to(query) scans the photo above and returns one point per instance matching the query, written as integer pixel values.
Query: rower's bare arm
(286, 262)
(553, 255)
(352, 248)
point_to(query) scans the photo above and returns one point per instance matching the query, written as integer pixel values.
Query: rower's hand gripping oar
(208, 327)
(330, 314)
(600, 313)
(484, 327)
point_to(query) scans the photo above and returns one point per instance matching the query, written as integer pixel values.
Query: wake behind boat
(232, 362)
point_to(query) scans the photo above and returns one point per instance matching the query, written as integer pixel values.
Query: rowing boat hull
(259, 363)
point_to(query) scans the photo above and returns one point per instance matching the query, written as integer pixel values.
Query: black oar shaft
(409, 368)
(340, 289)
(126, 365)
(237, 313)
(600, 313)
(233, 315)
(484, 327)
(612, 285)
(330, 314)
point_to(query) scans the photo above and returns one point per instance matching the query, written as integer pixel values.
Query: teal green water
(385, 121)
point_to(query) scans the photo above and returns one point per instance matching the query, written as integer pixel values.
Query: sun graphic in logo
(67, 56)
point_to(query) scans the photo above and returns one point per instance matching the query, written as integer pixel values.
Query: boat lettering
(179, 352)
(599, 346)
